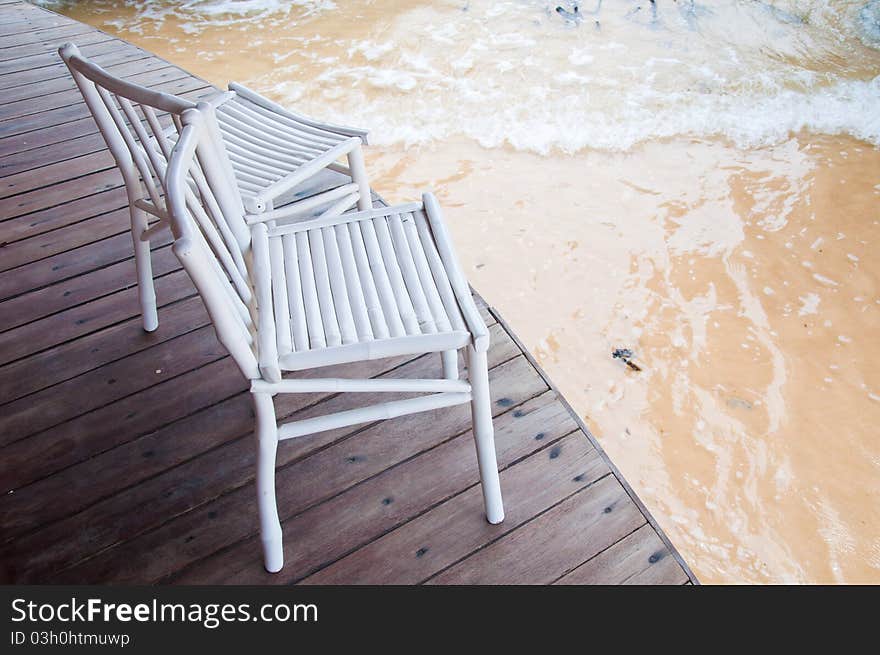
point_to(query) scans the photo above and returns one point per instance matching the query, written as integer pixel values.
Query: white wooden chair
(330, 290)
(275, 154)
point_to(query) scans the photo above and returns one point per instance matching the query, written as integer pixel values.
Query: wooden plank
(554, 543)
(17, 24)
(60, 115)
(639, 558)
(449, 532)
(51, 43)
(45, 35)
(28, 460)
(63, 98)
(107, 384)
(37, 223)
(96, 42)
(56, 70)
(77, 260)
(22, 16)
(87, 318)
(59, 193)
(178, 442)
(54, 184)
(49, 300)
(17, 19)
(342, 469)
(32, 158)
(87, 353)
(25, 251)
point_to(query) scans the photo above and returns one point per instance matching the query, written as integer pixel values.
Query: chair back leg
(359, 176)
(267, 445)
(144, 267)
(450, 364)
(484, 434)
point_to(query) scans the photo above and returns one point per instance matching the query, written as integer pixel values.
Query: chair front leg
(484, 434)
(359, 176)
(267, 445)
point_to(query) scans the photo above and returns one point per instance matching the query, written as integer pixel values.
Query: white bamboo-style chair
(330, 290)
(275, 154)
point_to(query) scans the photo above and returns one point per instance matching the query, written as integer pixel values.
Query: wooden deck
(128, 457)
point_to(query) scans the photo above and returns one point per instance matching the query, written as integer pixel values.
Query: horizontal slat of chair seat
(267, 142)
(377, 349)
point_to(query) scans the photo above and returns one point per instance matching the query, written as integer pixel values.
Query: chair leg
(359, 176)
(267, 445)
(144, 266)
(484, 434)
(450, 364)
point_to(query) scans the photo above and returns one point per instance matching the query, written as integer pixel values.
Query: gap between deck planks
(144, 440)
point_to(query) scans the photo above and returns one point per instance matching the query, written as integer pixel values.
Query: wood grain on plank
(167, 447)
(65, 401)
(553, 543)
(43, 302)
(68, 360)
(420, 548)
(87, 318)
(92, 254)
(446, 469)
(230, 465)
(639, 558)
(70, 96)
(93, 43)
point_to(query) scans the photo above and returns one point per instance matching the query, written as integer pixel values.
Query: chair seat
(277, 147)
(267, 144)
(359, 286)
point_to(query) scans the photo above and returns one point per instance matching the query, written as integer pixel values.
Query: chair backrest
(212, 238)
(138, 124)
(218, 269)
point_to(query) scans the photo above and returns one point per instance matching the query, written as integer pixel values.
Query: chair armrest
(257, 99)
(266, 344)
(457, 281)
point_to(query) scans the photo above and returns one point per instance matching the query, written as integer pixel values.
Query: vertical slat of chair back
(136, 141)
(202, 250)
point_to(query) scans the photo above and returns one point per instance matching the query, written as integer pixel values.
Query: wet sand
(745, 284)
(742, 278)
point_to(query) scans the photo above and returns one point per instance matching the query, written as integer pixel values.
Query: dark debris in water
(626, 356)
